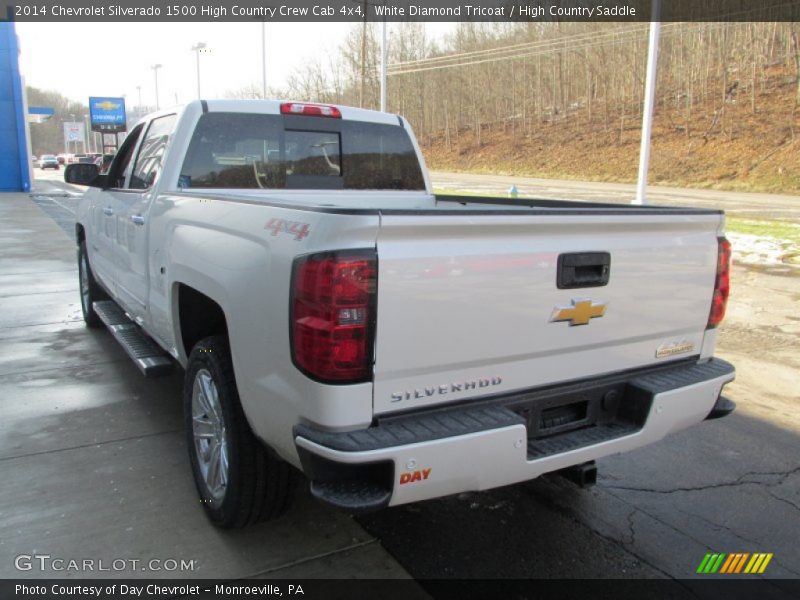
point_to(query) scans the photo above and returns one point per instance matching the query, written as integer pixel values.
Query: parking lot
(95, 465)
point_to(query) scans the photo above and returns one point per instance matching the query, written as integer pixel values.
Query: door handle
(137, 219)
(108, 211)
(583, 270)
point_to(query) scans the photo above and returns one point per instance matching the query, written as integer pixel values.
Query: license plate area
(567, 411)
(564, 419)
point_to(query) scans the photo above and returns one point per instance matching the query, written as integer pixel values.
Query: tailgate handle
(583, 269)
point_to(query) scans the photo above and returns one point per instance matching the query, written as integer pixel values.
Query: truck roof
(273, 107)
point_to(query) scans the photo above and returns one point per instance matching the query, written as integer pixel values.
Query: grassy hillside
(738, 150)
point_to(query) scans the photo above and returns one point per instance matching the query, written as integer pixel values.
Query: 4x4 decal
(296, 228)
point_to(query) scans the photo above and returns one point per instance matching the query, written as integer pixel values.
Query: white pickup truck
(335, 316)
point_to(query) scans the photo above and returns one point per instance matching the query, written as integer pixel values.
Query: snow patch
(758, 250)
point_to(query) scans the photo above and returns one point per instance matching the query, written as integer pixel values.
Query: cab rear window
(252, 151)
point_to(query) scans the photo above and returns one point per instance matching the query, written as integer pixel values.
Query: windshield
(252, 151)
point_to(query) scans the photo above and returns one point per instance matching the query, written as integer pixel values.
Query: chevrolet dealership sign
(107, 115)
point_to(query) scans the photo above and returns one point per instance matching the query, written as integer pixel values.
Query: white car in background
(49, 161)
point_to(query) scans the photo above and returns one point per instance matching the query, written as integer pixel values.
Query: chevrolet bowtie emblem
(579, 313)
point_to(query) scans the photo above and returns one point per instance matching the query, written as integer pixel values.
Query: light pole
(649, 104)
(197, 49)
(86, 148)
(263, 60)
(73, 149)
(264, 53)
(383, 65)
(139, 106)
(66, 141)
(155, 68)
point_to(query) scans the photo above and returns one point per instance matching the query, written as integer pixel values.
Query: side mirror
(83, 174)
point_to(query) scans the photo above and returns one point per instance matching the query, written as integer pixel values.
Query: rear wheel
(239, 482)
(89, 288)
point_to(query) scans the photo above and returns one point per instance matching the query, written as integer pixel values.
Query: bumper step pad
(558, 444)
(145, 353)
(433, 425)
(352, 496)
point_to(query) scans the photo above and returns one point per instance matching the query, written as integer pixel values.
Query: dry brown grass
(745, 151)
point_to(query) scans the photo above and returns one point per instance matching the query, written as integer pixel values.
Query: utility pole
(155, 68)
(383, 65)
(86, 148)
(197, 49)
(363, 59)
(73, 149)
(649, 100)
(263, 60)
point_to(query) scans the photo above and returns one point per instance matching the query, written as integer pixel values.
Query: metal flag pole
(649, 100)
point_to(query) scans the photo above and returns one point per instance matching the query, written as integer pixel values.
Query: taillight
(722, 283)
(333, 315)
(311, 110)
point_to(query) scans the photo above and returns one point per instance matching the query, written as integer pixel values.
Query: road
(731, 485)
(740, 204)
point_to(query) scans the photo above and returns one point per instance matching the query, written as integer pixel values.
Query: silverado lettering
(446, 388)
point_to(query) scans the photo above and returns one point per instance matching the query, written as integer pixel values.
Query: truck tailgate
(468, 304)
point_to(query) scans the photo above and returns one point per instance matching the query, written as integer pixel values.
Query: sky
(111, 59)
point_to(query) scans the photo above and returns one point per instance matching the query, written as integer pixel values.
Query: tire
(238, 480)
(90, 291)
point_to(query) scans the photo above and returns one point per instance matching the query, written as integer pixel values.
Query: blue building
(15, 174)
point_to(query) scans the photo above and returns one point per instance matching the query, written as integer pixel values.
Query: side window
(122, 161)
(151, 153)
(236, 150)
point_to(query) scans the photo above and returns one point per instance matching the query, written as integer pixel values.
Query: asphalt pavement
(99, 466)
(740, 204)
